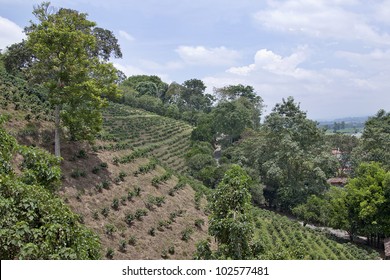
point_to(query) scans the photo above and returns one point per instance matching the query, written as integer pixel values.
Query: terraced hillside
(140, 209)
(284, 239)
(144, 133)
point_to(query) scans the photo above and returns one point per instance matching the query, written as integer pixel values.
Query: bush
(96, 170)
(110, 229)
(109, 253)
(82, 154)
(95, 215)
(130, 195)
(106, 184)
(122, 245)
(99, 187)
(186, 234)
(115, 204)
(132, 240)
(78, 173)
(171, 250)
(164, 254)
(199, 223)
(137, 191)
(139, 213)
(129, 219)
(152, 231)
(105, 211)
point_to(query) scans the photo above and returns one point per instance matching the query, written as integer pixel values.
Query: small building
(387, 248)
(338, 181)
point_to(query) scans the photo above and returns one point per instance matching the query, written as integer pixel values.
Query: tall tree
(291, 156)
(70, 59)
(230, 221)
(375, 141)
(246, 96)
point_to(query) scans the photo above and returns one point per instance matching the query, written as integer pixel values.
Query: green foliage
(230, 221)
(40, 167)
(199, 223)
(73, 67)
(110, 253)
(375, 141)
(368, 199)
(171, 250)
(78, 173)
(35, 224)
(109, 230)
(186, 233)
(122, 245)
(115, 204)
(359, 208)
(231, 118)
(40, 226)
(152, 231)
(8, 146)
(139, 213)
(129, 219)
(132, 240)
(288, 154)
(278, 237)
(142, 169)
(160, 179)
(105, 211)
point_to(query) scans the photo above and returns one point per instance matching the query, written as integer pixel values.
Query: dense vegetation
(157, 152)
(35, 223)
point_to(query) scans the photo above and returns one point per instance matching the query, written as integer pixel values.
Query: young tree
(70, 59)
(230, 221)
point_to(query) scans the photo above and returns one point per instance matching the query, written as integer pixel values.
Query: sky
(332, 56)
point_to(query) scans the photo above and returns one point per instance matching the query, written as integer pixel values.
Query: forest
(94, 164)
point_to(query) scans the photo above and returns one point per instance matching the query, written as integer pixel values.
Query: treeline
(362, 207)
(288, 157)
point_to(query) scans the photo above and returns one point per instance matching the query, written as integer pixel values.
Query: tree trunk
(57, 149)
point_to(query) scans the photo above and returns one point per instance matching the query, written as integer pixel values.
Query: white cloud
(10, 33)
(376, 60)
(126, 36)
(322, 19)
(271, 62)
(129, 70)
(382, 11)
(323, 93)
(201, 55)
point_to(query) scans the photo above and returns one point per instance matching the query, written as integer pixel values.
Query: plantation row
(286, 239)
(127, 212)
(146, 135)
(16, 94)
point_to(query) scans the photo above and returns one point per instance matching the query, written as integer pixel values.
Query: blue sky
(332, 56)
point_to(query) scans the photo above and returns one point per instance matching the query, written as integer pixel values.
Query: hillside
(130, 187)
(140, 209)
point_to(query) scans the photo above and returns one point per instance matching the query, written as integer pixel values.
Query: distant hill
(348, 125)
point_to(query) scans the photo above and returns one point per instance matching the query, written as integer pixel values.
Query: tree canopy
(70, 57)
(375, 141)
(230, 221)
